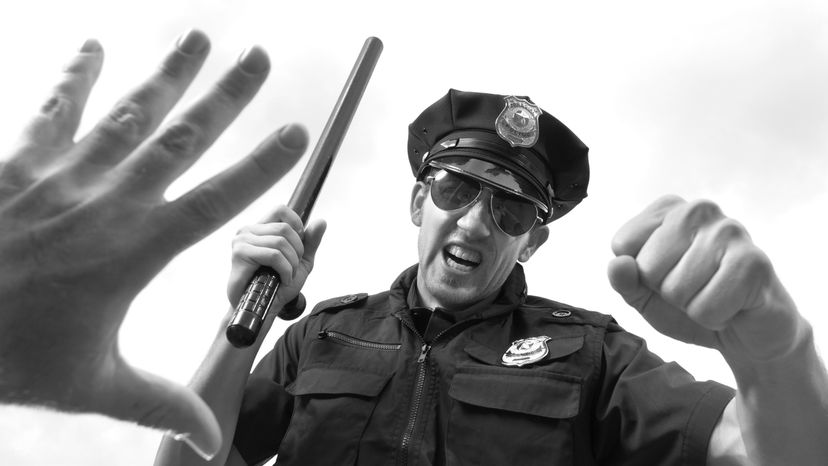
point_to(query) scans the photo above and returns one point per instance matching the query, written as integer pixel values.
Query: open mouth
(461, 258)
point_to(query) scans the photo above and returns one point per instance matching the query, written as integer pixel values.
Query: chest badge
(518, 124)
(526, 351)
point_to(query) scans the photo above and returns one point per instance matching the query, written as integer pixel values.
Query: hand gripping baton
(256, 300)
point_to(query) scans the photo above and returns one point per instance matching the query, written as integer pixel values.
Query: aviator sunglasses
(512, 215)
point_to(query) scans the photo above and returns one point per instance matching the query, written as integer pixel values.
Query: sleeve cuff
(702, 421)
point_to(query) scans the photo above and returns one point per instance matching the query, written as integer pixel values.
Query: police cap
(506, 141)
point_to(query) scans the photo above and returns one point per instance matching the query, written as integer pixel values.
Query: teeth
(464, 254)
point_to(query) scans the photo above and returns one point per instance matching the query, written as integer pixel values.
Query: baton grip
(253, 305)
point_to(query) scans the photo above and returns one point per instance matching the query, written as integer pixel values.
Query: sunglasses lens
(450, 192)
(514, 216)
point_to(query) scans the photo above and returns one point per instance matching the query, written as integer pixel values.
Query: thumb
(312, 239)
(155, 402)
(623, 277)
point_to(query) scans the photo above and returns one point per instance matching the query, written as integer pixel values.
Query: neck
(430, 301)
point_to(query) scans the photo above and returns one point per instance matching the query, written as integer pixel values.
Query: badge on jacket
(526, 351)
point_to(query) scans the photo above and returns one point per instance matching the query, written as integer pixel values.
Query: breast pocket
(510, 416)
(333, 401)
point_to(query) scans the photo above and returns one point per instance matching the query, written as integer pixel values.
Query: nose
(476, 219)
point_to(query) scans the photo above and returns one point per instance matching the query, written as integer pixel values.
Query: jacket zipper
(351, 341)
(419, 387)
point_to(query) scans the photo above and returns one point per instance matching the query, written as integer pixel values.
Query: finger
(152, 168)
(667, 319)
(272, 235)
(140, 112)
(201, 210)
(284, 214)
(743, 270)
(59, 117)
(622, 272)
(263, 256)
(287, 247)
(632, 235)
(282, 222)
(154, 402)
(312, 240)
(700, 262)
(669, 242)
(53, 128)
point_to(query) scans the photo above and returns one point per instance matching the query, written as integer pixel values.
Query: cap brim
(492, 174)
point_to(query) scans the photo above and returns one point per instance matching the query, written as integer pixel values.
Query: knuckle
(237, 245)
(279, 261)
(78, 72)
(281, 229)
(14, 177)
(700, 211)
(127, 122)
(180, 139)
(755, 262)
(281, 242)
(667, 202)
(233, 88)
(177, 66)
(673, 292)
(57, 106)
(620, 244)
(729, 229)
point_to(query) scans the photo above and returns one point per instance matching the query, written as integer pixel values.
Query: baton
(256, 300)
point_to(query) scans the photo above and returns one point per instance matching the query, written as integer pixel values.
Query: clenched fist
(696, 276)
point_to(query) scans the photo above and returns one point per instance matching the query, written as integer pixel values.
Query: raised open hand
(84, 227)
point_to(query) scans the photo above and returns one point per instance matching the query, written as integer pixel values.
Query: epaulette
(564, 313)
(342, 302)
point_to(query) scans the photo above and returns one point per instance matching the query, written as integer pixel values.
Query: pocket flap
(338, 381)
(540, 394)
(558, 348)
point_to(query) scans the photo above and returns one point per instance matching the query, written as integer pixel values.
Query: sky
(721, 100)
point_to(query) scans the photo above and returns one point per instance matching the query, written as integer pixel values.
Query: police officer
(456, 364)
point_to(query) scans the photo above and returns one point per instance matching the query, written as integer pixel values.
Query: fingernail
(188, 440)
(192, 42)
(293, 136)
(90, 46)
(254, 60)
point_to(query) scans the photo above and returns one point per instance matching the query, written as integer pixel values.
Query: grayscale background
(705, 99)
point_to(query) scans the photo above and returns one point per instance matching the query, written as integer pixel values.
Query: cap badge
(526, 351)
(518, 124)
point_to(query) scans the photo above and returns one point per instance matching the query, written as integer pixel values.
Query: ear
(537, 237)
(418, 197)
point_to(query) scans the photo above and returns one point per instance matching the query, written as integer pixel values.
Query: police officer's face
(464, 257)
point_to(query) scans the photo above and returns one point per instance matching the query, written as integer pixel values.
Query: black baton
(255, 303)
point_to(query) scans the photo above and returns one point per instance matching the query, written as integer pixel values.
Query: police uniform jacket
(367, 380)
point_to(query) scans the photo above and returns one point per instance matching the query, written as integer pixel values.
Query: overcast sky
(719, 100)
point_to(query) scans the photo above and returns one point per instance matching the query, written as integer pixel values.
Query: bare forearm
(220, 381)
(782, 406)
